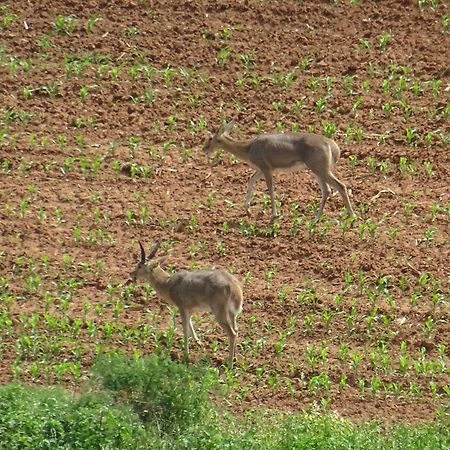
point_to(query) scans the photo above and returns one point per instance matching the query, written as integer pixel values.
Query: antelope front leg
(185, 318)
(269, 182)
(255, 177)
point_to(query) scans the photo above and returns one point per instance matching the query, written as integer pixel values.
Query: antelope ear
(229, 127)
(221, 130)
(161, 260)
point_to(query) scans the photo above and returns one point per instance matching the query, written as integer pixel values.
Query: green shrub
(161, 391)
(45, 418)
(157, 404)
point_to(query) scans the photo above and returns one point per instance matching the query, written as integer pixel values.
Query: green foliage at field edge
(155, 403)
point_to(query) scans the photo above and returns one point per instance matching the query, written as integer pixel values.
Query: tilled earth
(104, 110)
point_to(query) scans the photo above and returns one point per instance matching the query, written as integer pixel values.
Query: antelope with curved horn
(267, 153)
(213, 290)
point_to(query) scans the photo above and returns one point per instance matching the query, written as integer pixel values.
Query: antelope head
(213, 141)
(146, 263)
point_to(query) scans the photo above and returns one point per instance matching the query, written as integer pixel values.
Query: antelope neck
(236, 148)
(158, 279)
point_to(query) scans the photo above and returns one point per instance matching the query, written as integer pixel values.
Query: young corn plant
(224, 54)
(90, 23)
(411, 136)
(65, 25)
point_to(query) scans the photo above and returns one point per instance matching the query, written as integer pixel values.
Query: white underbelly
(294, 168)
(202, 307)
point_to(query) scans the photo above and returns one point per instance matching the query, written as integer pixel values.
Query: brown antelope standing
(214, 290)
(267, 153)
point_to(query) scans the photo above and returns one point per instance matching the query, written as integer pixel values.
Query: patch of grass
(156, 403)
(50, 418)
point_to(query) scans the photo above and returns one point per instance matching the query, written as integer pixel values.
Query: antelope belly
(293, 168)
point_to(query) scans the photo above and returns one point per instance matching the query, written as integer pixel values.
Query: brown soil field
(105, 107)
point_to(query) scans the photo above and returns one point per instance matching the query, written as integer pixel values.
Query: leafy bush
(170, 394)
(155, 403)
(46, 418)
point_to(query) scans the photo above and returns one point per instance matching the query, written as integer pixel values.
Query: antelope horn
(142, 252)
(154, 249)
